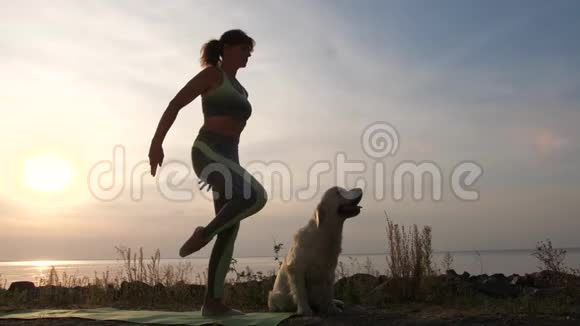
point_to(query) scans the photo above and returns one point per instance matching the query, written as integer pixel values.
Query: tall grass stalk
(410, 256)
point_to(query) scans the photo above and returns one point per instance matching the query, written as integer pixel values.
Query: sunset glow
(47, 173)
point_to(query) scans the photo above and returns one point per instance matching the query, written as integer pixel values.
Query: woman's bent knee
(255, 202)
(260, 196)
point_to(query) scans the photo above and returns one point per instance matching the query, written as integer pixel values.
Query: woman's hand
(155, 157)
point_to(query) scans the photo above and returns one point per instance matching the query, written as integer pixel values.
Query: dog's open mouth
(351, 208)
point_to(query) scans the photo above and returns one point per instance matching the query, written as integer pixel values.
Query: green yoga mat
(152, 317)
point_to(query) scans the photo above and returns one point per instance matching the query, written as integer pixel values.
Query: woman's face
(238, 54)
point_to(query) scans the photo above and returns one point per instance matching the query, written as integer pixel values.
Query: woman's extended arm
(196, 86)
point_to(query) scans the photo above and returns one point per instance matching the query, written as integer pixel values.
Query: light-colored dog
(305, 281)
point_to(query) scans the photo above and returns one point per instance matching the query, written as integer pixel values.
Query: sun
(47, 173)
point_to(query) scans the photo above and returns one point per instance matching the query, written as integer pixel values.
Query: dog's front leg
(297, 282)
(335, 305)
(328, 304)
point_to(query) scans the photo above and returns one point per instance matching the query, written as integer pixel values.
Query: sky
(492, 83)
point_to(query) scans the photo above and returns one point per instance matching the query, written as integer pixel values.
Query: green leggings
(236, 195)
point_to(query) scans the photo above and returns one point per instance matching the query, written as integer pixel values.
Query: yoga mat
(153, 317)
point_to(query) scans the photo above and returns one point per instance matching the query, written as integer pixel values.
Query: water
(504, 261)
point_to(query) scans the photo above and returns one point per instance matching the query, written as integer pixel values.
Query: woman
(236, 193)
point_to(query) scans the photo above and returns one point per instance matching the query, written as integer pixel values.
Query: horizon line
(474, 251)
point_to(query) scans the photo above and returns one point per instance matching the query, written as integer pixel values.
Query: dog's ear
(319, 215)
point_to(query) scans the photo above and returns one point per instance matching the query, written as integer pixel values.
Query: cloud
(547, 142)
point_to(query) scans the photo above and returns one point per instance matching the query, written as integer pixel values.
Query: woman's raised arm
(196, 86)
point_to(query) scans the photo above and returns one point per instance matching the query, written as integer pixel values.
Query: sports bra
(227, 100)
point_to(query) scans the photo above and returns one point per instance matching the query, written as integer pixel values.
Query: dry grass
(355, 266)
(410, 257)
(447, 262)
(151, 272)
(552, 259)
(3, 282)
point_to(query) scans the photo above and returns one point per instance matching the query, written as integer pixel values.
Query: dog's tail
(279, 302)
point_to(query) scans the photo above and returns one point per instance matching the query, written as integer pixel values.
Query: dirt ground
(361, 316)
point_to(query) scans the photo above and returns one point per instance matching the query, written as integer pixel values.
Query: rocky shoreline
(358, 288)
(370, 287)
(462, 299)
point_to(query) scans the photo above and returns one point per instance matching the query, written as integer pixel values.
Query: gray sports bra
(227, 100)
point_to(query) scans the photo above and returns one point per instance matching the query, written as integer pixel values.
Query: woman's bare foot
(194, 243)
(213, 307)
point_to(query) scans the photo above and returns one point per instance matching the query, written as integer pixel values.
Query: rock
(478, 278)
(382, 278)
(135, 288)
(454, 282)
(515, 280)
(512, 276)
(53, 291)
(379, 296)
(359, 280)
(21, 286)
(159, 287)
(438, 279)
(546, 279)
(112, 291)
(356, 287)
(529, 291)
(451, 274)
(250, 284)
(196, 290)
(525, 281)
(77, 292)
(465, 276)
(180, 283)
(497, 286)
(499, 277)
(548, 292)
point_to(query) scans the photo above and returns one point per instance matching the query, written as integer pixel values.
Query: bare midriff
(224, 125)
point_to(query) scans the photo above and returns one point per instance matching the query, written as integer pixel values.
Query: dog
(305, 281)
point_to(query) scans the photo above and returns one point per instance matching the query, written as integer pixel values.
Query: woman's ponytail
(211, 53)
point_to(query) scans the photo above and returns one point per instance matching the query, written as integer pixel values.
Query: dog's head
(338, 204)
